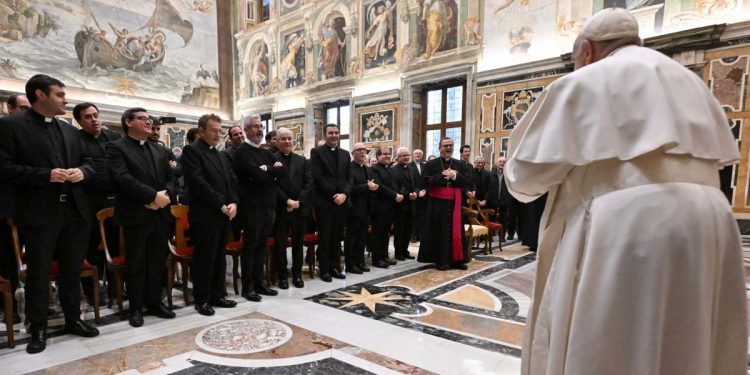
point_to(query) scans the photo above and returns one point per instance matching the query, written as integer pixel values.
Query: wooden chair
(270, 243)
(87, 270)
(483, 217)
(179, 252)
(8, 301)
(234, 248)
(115, 264)
(474, 231)
(310, 240)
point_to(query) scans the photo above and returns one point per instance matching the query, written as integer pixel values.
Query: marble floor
(406, 319)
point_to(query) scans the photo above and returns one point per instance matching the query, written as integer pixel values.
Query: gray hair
(402, 148)
(246, 120)
(284, 130)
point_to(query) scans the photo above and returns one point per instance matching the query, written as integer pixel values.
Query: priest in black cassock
(443, 241)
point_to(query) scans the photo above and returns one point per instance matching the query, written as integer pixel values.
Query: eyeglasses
(359, 149)
(400, 155)
(142, 118)
(257, 126)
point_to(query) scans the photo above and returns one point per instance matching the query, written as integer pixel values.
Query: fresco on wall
(288, 6)
(487, 150)
(516, 103)
(438, 26)
(155, 49)
(377, 126)
(728, 79)
(380, 33)
(259, 69)
(520, 31)
(333, 48)
(728, 174)
(504, 146)
(292, 65)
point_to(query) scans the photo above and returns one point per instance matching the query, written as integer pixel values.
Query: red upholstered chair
(179, 252)
(310, 240)
(270, 243)
(115, 264)
(8, 301)
(87, 270)
(483, 217)
(234, 248)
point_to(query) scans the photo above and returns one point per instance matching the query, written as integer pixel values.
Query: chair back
(181, 224)
(16, 242)
(102, 216)
(473, 204)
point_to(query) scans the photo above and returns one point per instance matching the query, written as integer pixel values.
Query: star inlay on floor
(366, 298)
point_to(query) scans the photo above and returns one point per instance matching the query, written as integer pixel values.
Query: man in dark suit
(498, 197)
(294, 188)
(358, 221)
(403, 213)
(145, 184)
(383, 201)
(332, 181)
(236, 138)
(18, 103)
(213, 203)
(480, 176)
(257, 170)
(420, 205)
(100, 188)
(44, 159)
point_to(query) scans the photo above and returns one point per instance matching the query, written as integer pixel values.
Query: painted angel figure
(380, 34)
(259, 71)
(288, 70)
(330, 49)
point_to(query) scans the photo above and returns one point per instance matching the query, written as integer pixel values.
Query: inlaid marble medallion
(243, 336)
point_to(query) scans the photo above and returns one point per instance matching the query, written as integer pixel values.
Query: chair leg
(185, 278)
(235, 273)
(8, 300)
(95, 288)
(170, 280)
(119, 285)
(311, 260)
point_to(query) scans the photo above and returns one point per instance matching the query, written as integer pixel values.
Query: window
(265, 10)
(256, 11)
(444, 116)
(339, 113)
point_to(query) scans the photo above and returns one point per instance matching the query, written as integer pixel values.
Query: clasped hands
(291, 205)
(275, 165)
(230, 210)
(162, 200)
(61, 175)
(449, 174)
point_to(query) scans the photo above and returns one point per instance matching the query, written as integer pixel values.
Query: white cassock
(640, 267)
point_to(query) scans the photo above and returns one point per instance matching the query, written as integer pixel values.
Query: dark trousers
(331, 222)
(146, 253)
(514, 220)
(208, 268)
(8, 263)
(420, 207)
(62, 238)
(381, 231)
(403, 223)
(258, 227)
(356, 239)
(288, 224)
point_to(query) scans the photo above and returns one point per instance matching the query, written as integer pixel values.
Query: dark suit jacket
(26, 161)
(330, 179)
(384, 198)
(210, 181)
(497, 196)
(101, 181)
(137, 184)
(295, 184)
(257, 187)
(418, 173)
(406, 181)
(360, 192)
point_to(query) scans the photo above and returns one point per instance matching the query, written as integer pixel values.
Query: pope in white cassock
(640, 260)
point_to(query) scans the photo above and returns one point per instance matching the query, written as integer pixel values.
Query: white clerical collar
(211, 147)
(140, 142)
(48, 119)
(251, 143)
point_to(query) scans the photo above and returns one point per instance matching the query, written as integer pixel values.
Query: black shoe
(79, 328)
(251, 296)
(354, 269)
(136, 318)
(408, 256)
(336, 274)
(161, 311)
(381, 264)
(204, 309)
(399, 257)
(223, 302)
(38, 341)
(442, 267)
(326, 277)
(364, 267)
(283, 284)
(460, 266)
(297, 282)
(391, 261)
(266, 291)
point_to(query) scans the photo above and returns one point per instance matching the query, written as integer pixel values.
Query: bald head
(500, 163)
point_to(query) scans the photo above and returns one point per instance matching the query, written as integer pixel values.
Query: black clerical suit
(332, 175)
(498, 197)
(480, 178)
(52, 215)
(211, 182)
(256, 176)
(8, 264)
(403, 213)
(420, 205)
(140, 170)
(358, 221)
(101, 192)
(383, 201)
(295, 185)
